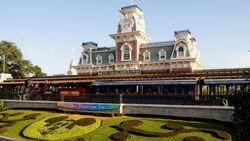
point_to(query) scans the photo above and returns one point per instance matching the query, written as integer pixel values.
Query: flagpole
(131, 2)
(3, 63)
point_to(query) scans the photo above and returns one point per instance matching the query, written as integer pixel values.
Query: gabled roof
(132, 6)
(182, 32)
(87, 43)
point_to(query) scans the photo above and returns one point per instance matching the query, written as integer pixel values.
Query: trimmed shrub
(16, 114)
(194, 138)
(7, 124)
(216, 133)
(223, 135)
(5, 117)
(3, 130)
(174, 126)
(130, 126)
(1, 104)
(121, 136)
(131, 123)
(241, 116)
(31, 116)
(53, 120)
(85, 121)
(80, 139)
(61, 128)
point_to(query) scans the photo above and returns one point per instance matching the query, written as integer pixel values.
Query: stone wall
(223, 113)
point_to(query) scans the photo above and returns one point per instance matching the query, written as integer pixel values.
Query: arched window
(84, 59)
(126, 52)
(162, 55)
(80, 61)
(181, 52)
(146, 56)
(111, 59)
(98, 59)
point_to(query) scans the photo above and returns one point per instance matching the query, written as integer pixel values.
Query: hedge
(61, 127)
(130, 126)
(194, 138)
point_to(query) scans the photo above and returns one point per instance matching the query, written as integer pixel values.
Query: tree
(38, 71)
(13, 62)
(241, 116)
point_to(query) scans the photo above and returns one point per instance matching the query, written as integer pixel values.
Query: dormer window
(84, 59)
(98, 59)
(181, 52)
(126, 52)
(162, 55)
(146, 56)
(111, 59)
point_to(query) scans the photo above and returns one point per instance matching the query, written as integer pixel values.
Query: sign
(88, 106)
(120, 72)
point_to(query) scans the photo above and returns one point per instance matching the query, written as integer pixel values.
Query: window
(126, 52)
(162, 55)
(111, 59)
(98, 60)
(146, 56)
(84, 59)
(80, 61)
(181, 52)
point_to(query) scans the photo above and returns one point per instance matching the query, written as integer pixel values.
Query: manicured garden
(49, 125)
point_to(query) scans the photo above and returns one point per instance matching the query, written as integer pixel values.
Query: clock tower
(130, 36)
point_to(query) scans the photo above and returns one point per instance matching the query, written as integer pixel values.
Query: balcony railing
(181, 99)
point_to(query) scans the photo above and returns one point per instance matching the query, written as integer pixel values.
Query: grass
(62, 133)
(153, 125)
(105, 131)
(14, 131)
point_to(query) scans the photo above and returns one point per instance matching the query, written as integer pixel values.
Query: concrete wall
(222, 113)
(212, 112)
(30, 104)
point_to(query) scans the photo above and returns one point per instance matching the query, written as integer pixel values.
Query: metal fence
(180, 99)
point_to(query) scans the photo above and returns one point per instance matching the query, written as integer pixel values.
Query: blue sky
(45, 30)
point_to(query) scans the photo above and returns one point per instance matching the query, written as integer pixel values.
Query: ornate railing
(180, 99)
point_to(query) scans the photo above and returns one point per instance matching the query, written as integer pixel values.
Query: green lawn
(154, 125)
(105, 131)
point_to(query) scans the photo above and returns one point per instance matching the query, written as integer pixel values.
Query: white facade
(133, 52)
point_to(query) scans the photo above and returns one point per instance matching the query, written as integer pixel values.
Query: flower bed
(61, 127)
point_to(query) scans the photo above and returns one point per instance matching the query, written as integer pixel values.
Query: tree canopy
(12, 61)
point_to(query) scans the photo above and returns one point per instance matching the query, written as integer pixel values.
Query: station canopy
(226, 81)
(154, 82)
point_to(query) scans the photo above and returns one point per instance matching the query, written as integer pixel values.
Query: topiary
(61, 127)
(194, 138)
(131, 123)
(85, 121)
(31, 116)
(130, 126)
(16, 114)
(121, 136)
(174, 126)
(223, 135)
(53, 120)
(3, 130)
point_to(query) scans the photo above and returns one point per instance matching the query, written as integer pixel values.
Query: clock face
(127, 25)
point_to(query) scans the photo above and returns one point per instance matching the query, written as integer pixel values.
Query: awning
(226, 81)
(163, 82)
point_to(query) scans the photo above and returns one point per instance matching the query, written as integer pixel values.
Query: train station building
(137, 65)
